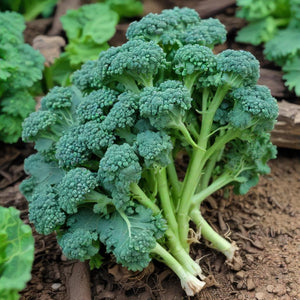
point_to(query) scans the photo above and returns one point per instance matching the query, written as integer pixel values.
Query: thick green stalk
(165, 200)
(189, 282)
(143, 199)
(196, 165)
(180, 254)
(217, 241)
(175, 183)
(209, 168)
(217, 184)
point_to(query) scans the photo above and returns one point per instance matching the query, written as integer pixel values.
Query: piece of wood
(205, 8)
(78, 281)
(273, 80)
(286, 133)
(61, 9)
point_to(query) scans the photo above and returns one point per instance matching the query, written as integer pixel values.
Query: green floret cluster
(104, 174)
(21, 66)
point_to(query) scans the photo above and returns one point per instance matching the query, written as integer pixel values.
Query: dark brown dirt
(265, 224)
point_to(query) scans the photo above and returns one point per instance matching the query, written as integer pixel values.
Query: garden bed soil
(265, 224)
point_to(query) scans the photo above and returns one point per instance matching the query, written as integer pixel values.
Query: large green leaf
(16, 253)
(292, 74)
(94, 21)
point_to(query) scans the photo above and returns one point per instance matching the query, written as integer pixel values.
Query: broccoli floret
(124, 112)
(155, 148)
(165, 105)
(164, 28)
(193, 61)
(74, 187)
(39, 124)
(118, 168)
(45, 212)
(239, 67)
(98, 137)
(71, 149)
(208, 33)
(87, 78)
(58, 98)
(96, 105)
(79, 244)
(135, 60)
(252, 105)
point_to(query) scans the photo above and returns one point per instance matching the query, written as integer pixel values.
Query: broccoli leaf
(292, 74)
(16, 253)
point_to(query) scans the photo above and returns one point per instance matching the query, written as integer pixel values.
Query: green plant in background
(16, 253)
(88, 30)
(20, 68)
(30, 9)
(277, 24)
(126, 8)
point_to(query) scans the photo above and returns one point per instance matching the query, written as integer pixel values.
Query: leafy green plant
(30, 9)
(104, 174)
(20, 67)
(277, 24)
(16, 253)
(126, 8)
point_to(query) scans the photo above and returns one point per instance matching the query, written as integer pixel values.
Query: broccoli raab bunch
(104, 174)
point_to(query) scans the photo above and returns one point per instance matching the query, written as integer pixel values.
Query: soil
(265, 224)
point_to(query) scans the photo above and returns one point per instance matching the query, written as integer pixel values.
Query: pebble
(250, 284)
(55, 286)
(270, 288)
(279, 289)
(260, 296)
(39, 287)
(240, 274)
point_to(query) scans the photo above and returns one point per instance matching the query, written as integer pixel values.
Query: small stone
(270, 288)
(55, 286)
(240, 274)
(288, 260)
(240, 285)
(285, 297)
(279, 289)
(39, 287)
(250, 284)
(260, 296)
(63, 258)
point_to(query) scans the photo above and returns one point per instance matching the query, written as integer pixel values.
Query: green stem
(189, 282)
(179, 125)
(143, 199)
(209, 168)
(167, 206)
(175, 183)
(196, 164)
(189, 81)
(217, 184)
(217, 241)
(180, 254)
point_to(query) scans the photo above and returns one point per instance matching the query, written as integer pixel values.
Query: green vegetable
(104, 174)
(16, 253)
(275, 23)
(88, 30)
(125, 8)
(30, 9)
(20, 67)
